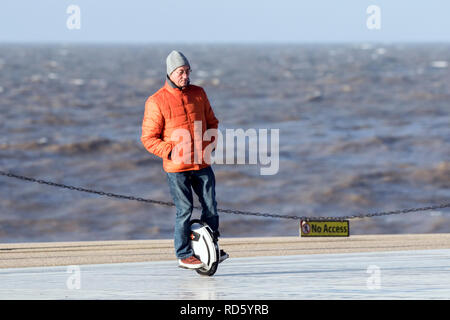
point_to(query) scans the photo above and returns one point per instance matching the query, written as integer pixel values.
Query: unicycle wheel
(208, 272)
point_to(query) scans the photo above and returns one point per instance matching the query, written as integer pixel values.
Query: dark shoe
(223, 256)
(190, 263)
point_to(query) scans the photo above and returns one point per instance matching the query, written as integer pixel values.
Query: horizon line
(351, 42)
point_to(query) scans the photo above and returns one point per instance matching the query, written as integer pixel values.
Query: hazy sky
(238, 21)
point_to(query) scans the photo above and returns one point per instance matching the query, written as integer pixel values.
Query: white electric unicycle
(205, 246)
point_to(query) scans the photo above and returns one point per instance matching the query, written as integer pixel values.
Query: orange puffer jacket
(170, 109)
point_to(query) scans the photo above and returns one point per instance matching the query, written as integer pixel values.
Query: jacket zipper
(191, 131)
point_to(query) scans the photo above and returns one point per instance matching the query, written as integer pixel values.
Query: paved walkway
(412, 274)
(100, 252)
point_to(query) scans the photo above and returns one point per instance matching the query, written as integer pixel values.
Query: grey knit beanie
(174, 60)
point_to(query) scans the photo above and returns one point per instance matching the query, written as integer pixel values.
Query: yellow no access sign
(324, 228)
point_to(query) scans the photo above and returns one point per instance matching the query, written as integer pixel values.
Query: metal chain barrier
(258, 214)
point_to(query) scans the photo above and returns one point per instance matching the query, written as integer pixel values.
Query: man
(179, 107)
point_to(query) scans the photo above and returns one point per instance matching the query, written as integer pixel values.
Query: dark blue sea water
(362, 128)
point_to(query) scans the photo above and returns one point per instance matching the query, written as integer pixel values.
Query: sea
(363, 128)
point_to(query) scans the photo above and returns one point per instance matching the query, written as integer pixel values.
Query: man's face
(180, 76)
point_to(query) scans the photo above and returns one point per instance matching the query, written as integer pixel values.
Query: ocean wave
(95, 145)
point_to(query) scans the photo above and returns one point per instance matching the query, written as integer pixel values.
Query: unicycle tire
(210, 272)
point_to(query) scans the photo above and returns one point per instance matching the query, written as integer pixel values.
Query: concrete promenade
(287, 268)
(19, 255)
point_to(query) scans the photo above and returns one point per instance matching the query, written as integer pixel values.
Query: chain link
(258, 214)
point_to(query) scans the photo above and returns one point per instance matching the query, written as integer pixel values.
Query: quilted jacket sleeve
(152, 128)
(211, 119)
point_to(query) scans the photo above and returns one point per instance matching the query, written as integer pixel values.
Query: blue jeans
(181, 184)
